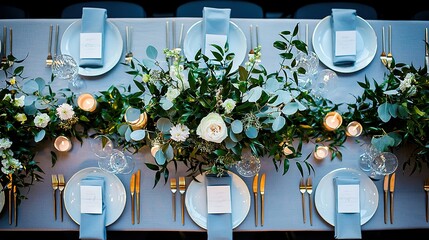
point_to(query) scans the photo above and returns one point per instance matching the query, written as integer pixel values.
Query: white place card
(218, 199)
(91, 199)
(345, 43)
(215, 39)
(348, 198)
(90, 45)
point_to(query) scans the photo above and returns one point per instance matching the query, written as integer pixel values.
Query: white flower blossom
(21, 117)
(5, 143)
(212, 128)
(41, 120)
(19, 102)
(7, 97)
(407, 82)
(180, 76)
(228, 105)
(65, 111)
(172, 93)
(179, 132)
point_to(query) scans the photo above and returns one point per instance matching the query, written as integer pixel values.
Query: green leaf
(383, 143)
(383, 112)
(151, 52)
(278, 123)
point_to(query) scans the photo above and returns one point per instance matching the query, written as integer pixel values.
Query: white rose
(41, 120)
(212, 128)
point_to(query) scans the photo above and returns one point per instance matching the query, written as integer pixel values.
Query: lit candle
(321, 152)
(332, 121)
(354, 129)
(87, 102)
(63, 144)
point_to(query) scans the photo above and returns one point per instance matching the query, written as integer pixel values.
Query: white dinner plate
(325, 200)
(236, 40)
(196, 200)
(366, 48)
(112, 49)
(115, 196)
(2, 198)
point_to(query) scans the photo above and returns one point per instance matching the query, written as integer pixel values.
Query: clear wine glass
(320, 87)
(248, 166)
(101, 146)
(309, 62)
(382, 164)
(65, 67)
(370, 151)
(118, 163)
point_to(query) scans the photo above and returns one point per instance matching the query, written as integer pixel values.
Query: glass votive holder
(332, 121)
(321, 152)
(248, 166)
(354, 129)
(63, 144)
(87, 102)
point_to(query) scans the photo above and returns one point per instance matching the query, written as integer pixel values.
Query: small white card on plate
(348, 198)
(90, 45)
(218, 199)
(345, 43)
(91, 199)
(214, 39)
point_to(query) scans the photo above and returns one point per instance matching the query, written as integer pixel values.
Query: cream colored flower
(179, 132)
(19, 102)
(41, 120)
(65, 111)
(212, 128)
(228, 105)
(5, 143)
(21, 117)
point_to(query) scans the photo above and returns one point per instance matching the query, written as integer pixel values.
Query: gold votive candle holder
(87, 102)
(332, 121)
(354, 129)
(321, 152)
(63, 144)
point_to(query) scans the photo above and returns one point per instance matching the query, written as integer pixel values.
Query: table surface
(283, 199)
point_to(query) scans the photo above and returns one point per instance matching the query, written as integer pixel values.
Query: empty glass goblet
(370, 151)
(118, 163)
(249, 165)
(65, 67)
(101, 146)
(382, 164)
(310, 63)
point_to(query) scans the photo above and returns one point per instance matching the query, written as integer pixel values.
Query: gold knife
(392, 190)
(9, 186)
(255, 197)
(132, 189)
(385, 189)
(15, 206)
(138, 195)
(262, 190)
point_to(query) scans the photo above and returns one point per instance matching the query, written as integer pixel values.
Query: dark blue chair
(12, 12)
(115, 9)
(239, 9)
(322, 9)
(421, 15)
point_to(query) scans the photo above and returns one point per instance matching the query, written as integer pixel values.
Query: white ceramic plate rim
(236, 39)
(115, 194)
(2, 198)
(195, 201)
(325, 201)
(366, 45)
(112, 49)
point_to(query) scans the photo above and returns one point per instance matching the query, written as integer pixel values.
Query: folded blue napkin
(347, 208)
(219, 225)
(343, 23)
(215, 28)
(92, 37)
(93, 225)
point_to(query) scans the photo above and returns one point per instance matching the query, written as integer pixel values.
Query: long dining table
(282, 195)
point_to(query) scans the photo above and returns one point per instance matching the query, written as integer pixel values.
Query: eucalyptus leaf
(151, 52)
(169, 152)
(383, 112)
(30, 87)
(122, 129)
(251, 132)
(132, 114)
(164, 125)
(253, 95)
(383, 143)
(290, 109)
(40, 83)
(165, 103)
(229, 143)
(138, 135)
(278, 123)
(127, 134)
(160, 157)
(237, 126)
(40, 135)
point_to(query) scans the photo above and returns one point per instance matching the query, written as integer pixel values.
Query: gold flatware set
(135, 196)
(58, 183)
(426, 189)
(12, 195)
(182, 190)
(306, 187)
(255, 197)
(51, 56)
(389, 187)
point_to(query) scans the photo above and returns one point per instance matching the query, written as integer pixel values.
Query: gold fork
(426, 188)
(383, 56)
(173, 187)
(302, 189)
(129, 54)
(389, 57)
(182, 189)
(49, 59)
(310, 191)
(54, 193)
(4, 57)
(61, 185)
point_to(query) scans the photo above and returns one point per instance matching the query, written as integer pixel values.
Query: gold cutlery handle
(311, 209)
(55, 203)
(50, 40)
(132, 208)
(303, 206)
(427, 206)
(255, 200)
(173, 204)
(57, 30)
(385, 207)
(391, 207)
(262, 209)
(138, 207)
(182, 203)
(61, 205)
(10, 206)
(15, 206)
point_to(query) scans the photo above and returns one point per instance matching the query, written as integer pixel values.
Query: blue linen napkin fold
(219, 226)
(93, 21)
(215, 22)
(93, 226)
(343, 22)
(347, 224)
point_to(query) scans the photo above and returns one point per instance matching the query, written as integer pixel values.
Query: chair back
(11, 12)
(421, 15)
(115, 9)
(239, 9)
(322, 9)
